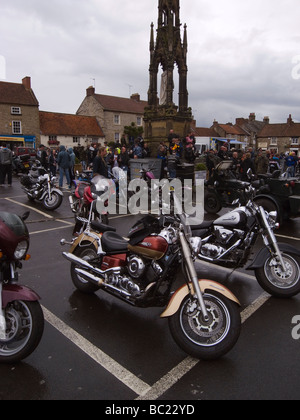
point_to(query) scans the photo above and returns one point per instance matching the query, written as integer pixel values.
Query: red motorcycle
(21, 316)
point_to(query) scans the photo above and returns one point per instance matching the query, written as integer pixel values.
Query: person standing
(64, 164)
(5, 165)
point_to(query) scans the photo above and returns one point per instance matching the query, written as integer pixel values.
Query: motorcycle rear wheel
(275, 281)
(24, 330)
(206, 340)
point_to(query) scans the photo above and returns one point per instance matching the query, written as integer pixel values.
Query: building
(69, 130)
(19, 114)
(113, 113)
(280, 138)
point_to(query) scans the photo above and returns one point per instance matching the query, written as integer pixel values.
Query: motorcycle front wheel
(24, 330)
(52, 202)
(206, 340)
(279, 283)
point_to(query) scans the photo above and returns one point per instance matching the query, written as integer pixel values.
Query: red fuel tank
(152, 247)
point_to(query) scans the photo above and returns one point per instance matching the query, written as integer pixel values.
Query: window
(16, 127)
(52, 138)
(274, 141)
(139, 121)
(117, 120)
(16, 110)
(76, 139)
(117, 137)
(295, 140)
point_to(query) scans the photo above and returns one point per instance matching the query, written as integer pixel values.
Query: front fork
(193, 274)
(273, 239)
(2, 317)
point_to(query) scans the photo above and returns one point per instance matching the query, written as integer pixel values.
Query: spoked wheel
(203, 339)
(278, 282)
(52, 202)
(24, 330)
(86, 252)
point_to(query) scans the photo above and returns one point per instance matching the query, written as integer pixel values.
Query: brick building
(19, 114)
(113, 113)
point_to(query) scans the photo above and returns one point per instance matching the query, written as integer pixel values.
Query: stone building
(280, 138)
(19, 114)
(113, 113)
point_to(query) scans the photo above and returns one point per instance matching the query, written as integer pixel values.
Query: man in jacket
(5, 165)
(64, 164)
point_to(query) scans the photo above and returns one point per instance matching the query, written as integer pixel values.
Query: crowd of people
(102, 159)
(260, 162)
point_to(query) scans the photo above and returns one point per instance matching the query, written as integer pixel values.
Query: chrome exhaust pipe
(89, 277)
(87, 266)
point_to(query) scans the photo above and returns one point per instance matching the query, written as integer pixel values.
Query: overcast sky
(243, 56)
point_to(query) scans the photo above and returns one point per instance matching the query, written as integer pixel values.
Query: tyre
(279, 283)
(53, 202)
(269, 206)
(86, 252)
(24, 330)
(212, 204)
(206, 340)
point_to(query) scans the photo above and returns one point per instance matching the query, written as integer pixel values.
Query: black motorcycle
(39, 185)
(223, 189)
(229, 242)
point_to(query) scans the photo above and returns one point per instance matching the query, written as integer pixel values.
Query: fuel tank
(234, 219)
(152, 247)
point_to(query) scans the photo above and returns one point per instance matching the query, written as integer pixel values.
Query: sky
(243, 57)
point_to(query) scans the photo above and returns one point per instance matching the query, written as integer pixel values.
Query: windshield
(15, 223)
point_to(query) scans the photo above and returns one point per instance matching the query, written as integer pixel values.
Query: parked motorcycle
(229, 241)
(39, 185)
(203, 315)
(21, 316)
(21, 164)
(223, 189)
(82, 202)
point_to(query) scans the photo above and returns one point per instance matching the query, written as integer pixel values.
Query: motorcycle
(21, 316)
(223, 189)
(229, 240)
(39, 185)
(21, 164)
(204, 316)
(82, 202)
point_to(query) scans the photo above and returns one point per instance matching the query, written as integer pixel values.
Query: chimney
(90, 91)
(290, 120)
(267, 120)
(252, 116)
(136, 97)
(26, 82)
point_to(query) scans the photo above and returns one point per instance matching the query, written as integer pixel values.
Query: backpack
(5, 157)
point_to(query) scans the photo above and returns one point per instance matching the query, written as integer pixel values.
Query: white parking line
(141, 388)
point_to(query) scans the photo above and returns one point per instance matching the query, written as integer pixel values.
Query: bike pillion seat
(112, 242)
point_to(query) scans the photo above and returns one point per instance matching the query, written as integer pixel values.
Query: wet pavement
(97, 347)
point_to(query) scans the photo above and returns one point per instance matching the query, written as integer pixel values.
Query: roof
(280, 130)
(56, 124)
(17, 94)
(232, 129)
(205, 132)
(113, 103)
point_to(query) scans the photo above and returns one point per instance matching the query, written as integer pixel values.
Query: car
(20, 151)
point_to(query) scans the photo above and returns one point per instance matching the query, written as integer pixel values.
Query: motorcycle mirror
(25, 216)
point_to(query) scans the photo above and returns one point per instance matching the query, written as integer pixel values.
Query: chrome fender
(205, 285)
(52, 190)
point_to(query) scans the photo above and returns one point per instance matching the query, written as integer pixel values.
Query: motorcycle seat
(204, 225)
(113, 242)
(101, 227)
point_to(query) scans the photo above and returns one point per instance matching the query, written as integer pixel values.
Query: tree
(132, 131)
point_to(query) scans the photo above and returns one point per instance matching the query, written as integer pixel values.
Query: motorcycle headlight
(21, 250)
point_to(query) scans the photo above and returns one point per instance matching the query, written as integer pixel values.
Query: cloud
(240, 53)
